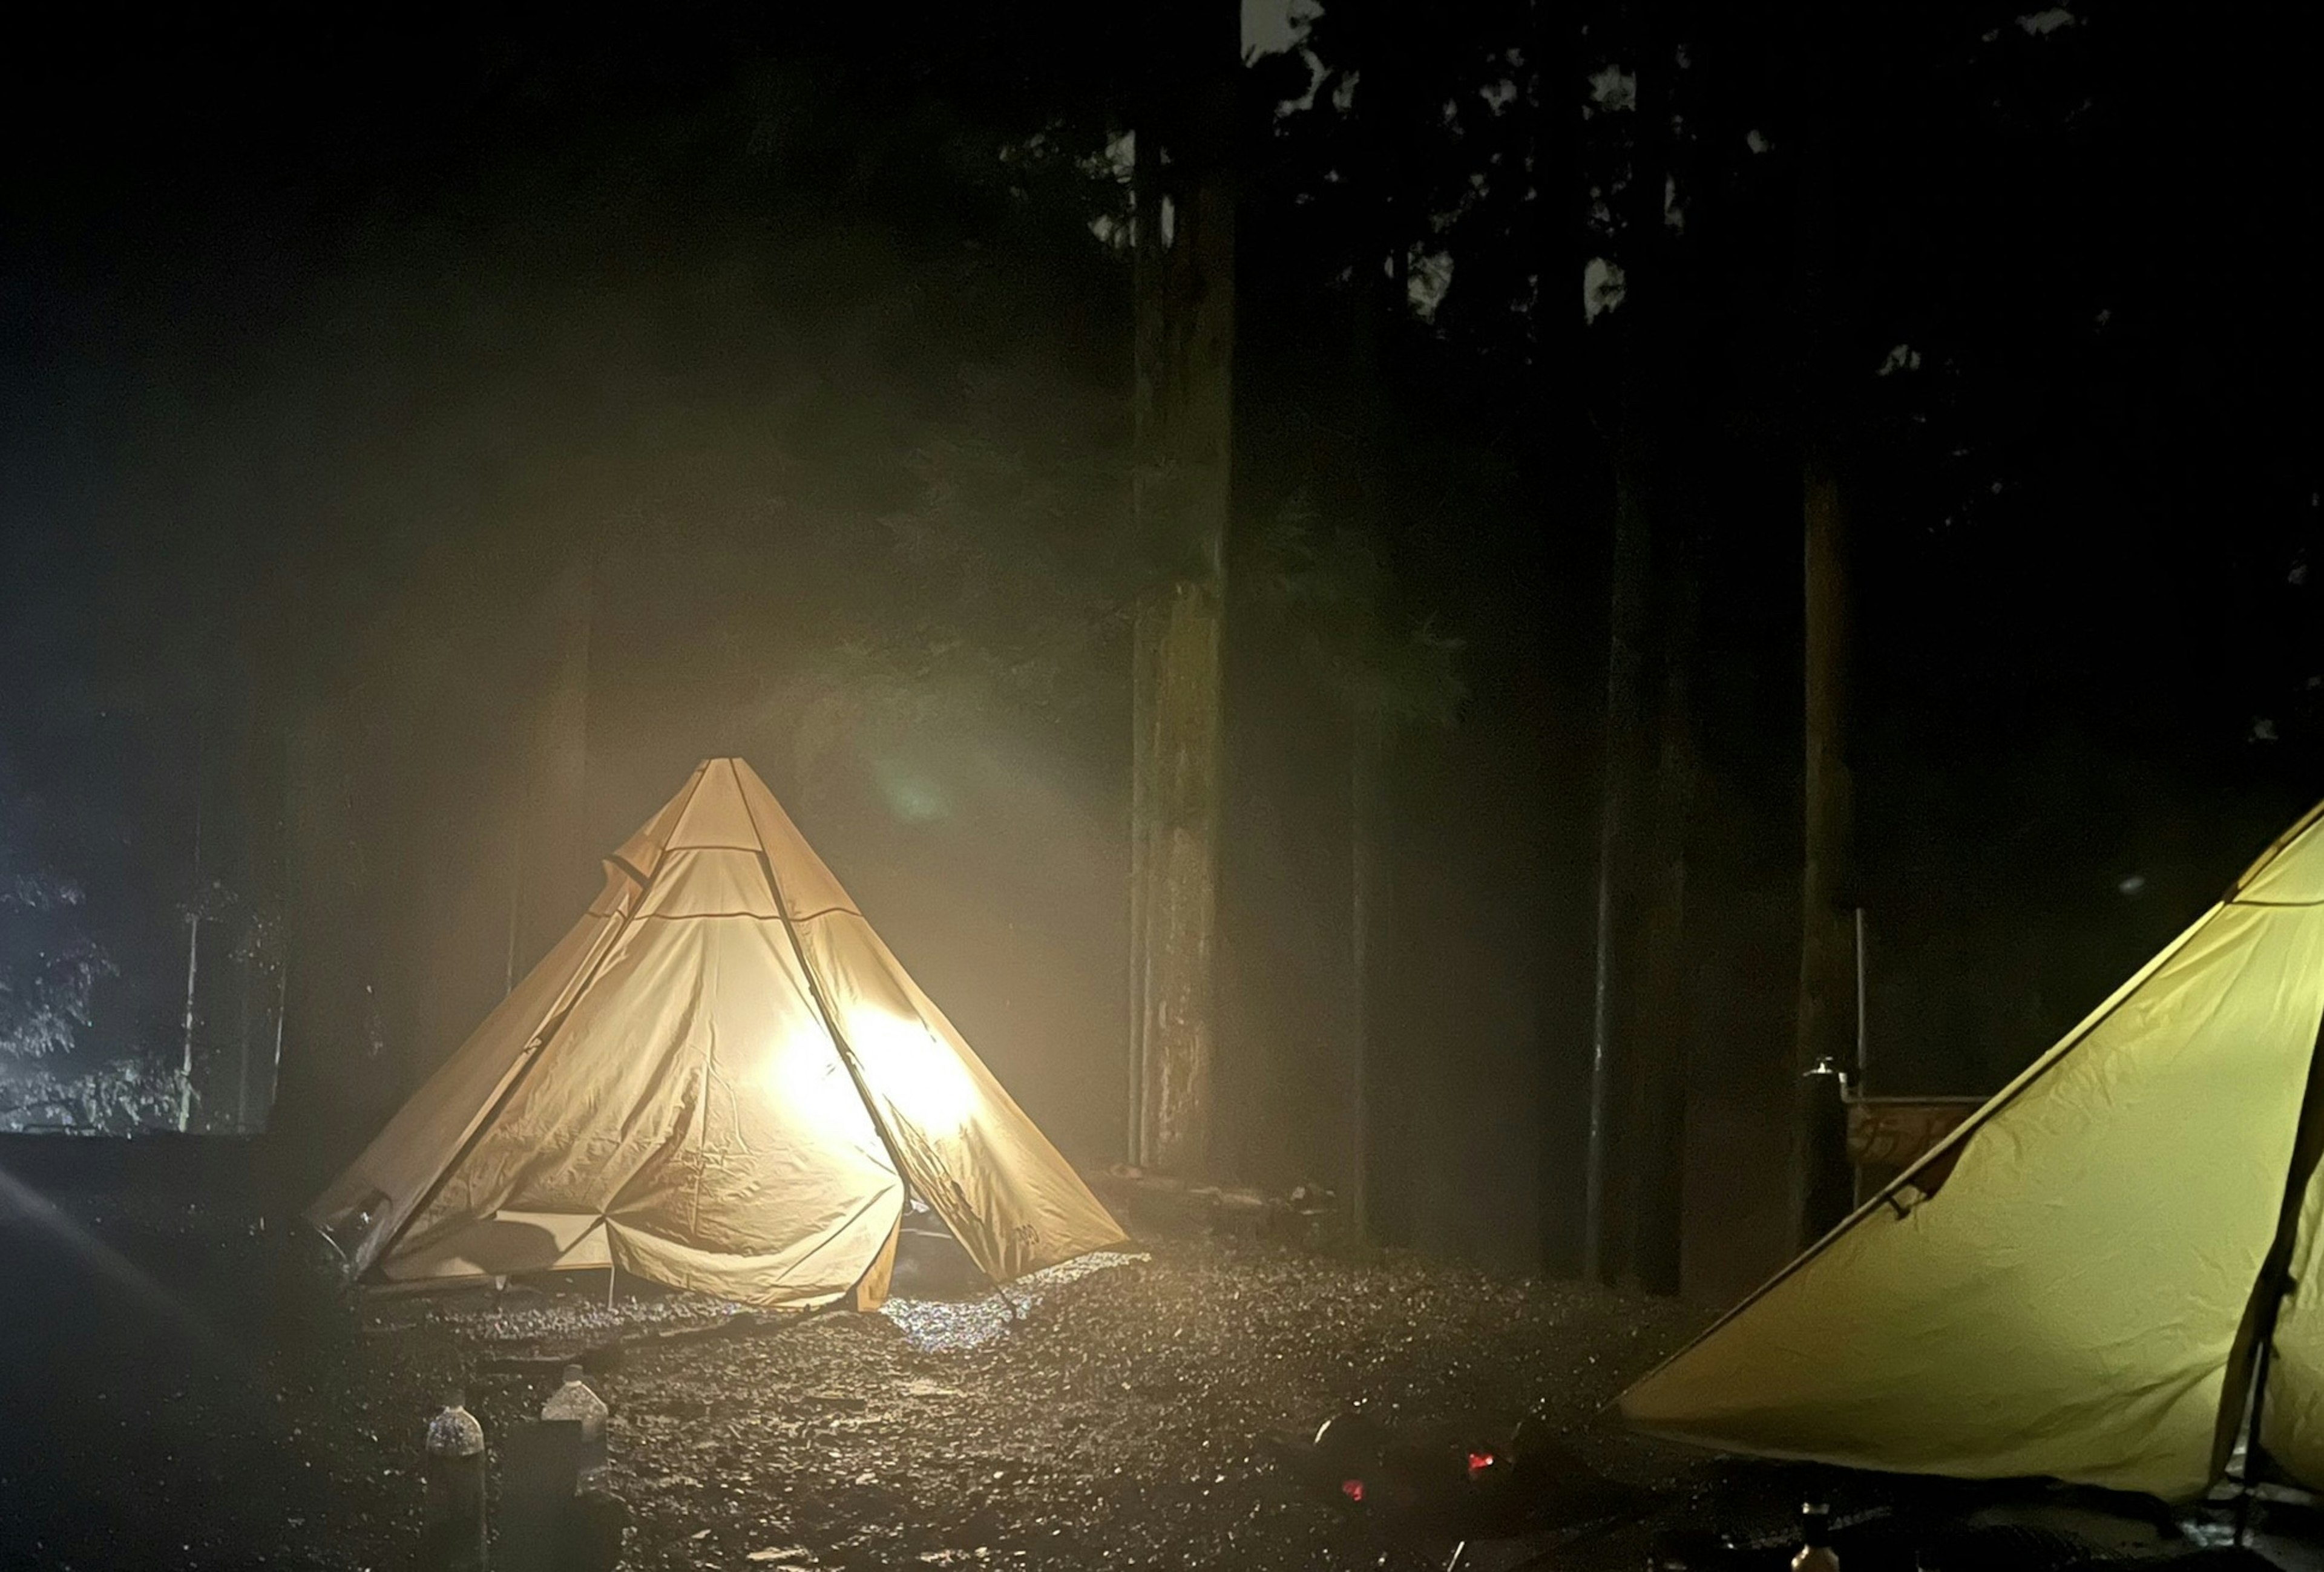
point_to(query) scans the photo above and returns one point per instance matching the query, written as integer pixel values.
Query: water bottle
(574, 1402)
(1816, 1554)
(452, 1520)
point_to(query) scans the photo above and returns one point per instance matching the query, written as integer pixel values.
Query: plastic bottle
(452, 1522)
(575, 1400)
(1816, 1554)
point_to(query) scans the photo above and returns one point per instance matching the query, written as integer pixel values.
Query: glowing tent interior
(2102, 1275)
(719, 1079)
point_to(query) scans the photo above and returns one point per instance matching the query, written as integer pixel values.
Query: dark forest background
(420, 445)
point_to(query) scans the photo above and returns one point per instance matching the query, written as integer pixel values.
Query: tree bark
(1820, 1190)
(1555, 220)
(282, 1015)
(1819, 1181)
(1144, 654)
(1180, 863)
(1184, 411)
(193, 938)
(185, 1062)
(1625, 617)
(1658, 1117)
(1367, 904)
(241, 1051)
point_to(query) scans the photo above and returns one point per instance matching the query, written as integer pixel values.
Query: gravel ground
(1120, 1423)
(198, 1409)
(177, 1394)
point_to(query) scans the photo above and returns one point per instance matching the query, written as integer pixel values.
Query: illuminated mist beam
(19, 1200)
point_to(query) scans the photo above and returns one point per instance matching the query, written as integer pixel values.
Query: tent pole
(2273, 1286)
(2261, 1358)
(846, 1050)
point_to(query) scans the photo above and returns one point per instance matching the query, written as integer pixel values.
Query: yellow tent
(2074, 1284)
(719, 1079)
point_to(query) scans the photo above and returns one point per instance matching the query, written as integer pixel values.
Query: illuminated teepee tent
(719, 1079)
(2076, 1282)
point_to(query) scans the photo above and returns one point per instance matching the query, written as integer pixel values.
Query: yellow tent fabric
(2070, 1285)
(719, 1079)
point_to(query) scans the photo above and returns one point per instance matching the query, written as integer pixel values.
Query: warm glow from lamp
(812, 1087)
(907, 1066)
(915, 1070)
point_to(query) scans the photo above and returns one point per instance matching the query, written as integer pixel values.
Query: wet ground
(177, 1396)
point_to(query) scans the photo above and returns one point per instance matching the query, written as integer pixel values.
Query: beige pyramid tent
(719, 1079)
(2082, 1281)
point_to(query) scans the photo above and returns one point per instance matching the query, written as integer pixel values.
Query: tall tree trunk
(1146, 648)
(1657, 445)
(1626, 631)
(1178, 924)
(1820, 1187)
(282, 1015)
(193, 942)
(1629, 1057)
(1184, 357)
(1557, 231)
(186, 1061)
(242, 1049)
(1367, 903)
(1377, 340)
(1658, 1116)
(1821, 1191)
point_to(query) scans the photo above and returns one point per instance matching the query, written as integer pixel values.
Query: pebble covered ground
(1118, 1415)
(178, 1394)
(1123, 1422)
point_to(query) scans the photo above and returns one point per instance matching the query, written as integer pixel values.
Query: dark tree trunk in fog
(1560, 360)
(185, 1059)
(1820, 1187)
(281, 1017)
(1632, 1057)
(193, 942)
(1625, 632)
(1667, 1024)
(1661, 444)
(1183, 405)
(1821, 1191)
(1368, 902)
(242, 1049)
(1382, 313)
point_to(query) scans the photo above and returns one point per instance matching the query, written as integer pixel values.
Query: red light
(1353, 1489)
(1479, 1462)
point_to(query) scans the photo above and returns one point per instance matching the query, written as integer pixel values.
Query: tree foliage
(50, 958)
